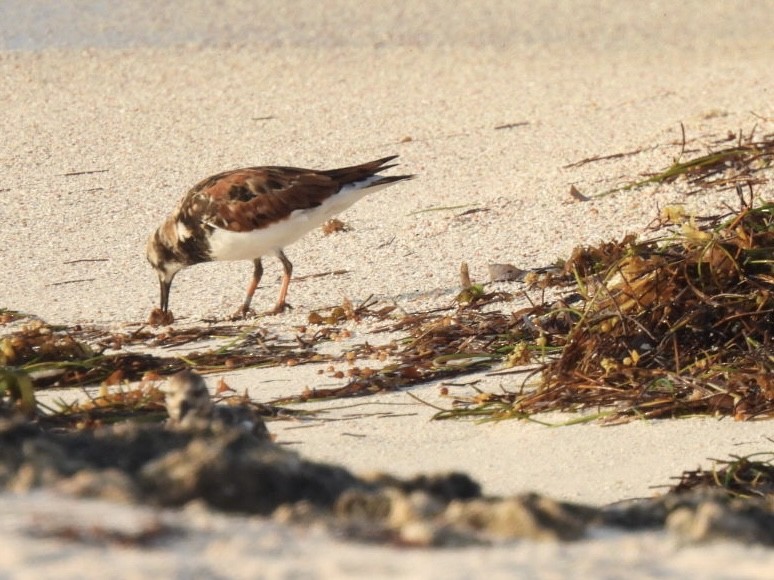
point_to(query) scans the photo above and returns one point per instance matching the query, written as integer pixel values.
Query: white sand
(169, 96)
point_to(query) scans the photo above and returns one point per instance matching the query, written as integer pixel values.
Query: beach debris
(465, 281)
(577, 195)
(671, 326)
(740, 476)
(732, 501)
(17, 393)
(511, 125)
(697, 515)
(348, 312)
(231, 470)
(334, 226)
(56, 356)
(725, 168)
(505, 273)
(340, 272)
(596, 158)
(7, 316)
(190, 407)
(86, 172)
(159, 317)
(86, 260)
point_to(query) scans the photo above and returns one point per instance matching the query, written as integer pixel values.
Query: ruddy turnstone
(190, 407)
(245, 214)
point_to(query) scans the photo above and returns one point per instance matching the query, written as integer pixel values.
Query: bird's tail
(355, 173)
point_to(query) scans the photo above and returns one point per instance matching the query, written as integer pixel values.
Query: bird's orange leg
(288, 268)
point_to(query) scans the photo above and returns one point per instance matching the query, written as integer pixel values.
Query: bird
(248, 213)
(190, 408)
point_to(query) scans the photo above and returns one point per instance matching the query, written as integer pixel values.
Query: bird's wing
(248, 199)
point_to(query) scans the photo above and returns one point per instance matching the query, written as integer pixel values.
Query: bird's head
(161, 255)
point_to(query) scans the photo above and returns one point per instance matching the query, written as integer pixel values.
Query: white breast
(228, 245)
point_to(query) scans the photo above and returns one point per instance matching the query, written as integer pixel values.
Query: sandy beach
(110, 114)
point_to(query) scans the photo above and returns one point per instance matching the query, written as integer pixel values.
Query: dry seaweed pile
(64, 357)
(38, 355)
(744, 477)
(668, 327)
(674, 327)
(438, 344)
(726, 167)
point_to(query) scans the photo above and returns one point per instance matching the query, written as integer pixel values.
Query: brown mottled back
(252, 198)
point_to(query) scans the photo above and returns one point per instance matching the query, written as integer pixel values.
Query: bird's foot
(278, 309)
(243, 314)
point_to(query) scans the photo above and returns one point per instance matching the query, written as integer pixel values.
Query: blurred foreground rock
(238, 471)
